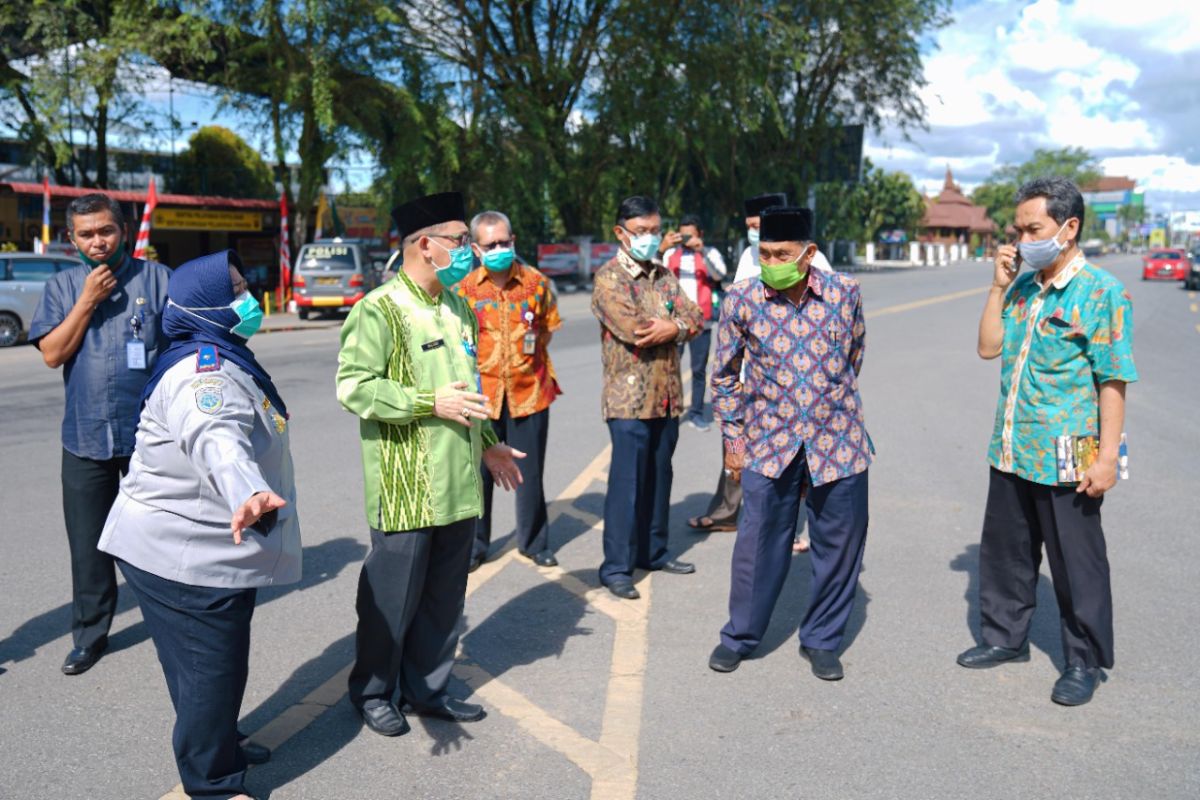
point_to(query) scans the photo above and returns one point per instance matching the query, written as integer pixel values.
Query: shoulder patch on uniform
(210, 398)
(208, 359)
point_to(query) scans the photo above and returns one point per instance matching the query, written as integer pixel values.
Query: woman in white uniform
(207, 514)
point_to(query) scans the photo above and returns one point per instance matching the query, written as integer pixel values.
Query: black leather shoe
(81, 659)
(384, 719)
(252, 752)
(451, 709)
(542, 559)
(676, 567)
(1076, 686)
(476, 563)
(985, 656)
(825, 663)
(723, 659)
(624, 590)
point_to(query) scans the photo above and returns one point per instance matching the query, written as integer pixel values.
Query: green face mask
(113, 261)
(783, 276)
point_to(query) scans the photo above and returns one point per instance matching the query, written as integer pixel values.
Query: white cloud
(1009, 76)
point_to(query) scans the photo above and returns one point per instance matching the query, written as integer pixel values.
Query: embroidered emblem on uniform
(207, 359)
(276, 418)
(210, 399)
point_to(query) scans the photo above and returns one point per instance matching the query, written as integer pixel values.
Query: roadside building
(1117, 204)
(951, 219)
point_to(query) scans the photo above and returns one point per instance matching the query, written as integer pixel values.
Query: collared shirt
(801, 377)
(1061, 341)
(748, 266)
(525, 305)
(640, 383)
(399, 346)
(103, 395)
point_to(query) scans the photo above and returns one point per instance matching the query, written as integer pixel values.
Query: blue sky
(1119, 79)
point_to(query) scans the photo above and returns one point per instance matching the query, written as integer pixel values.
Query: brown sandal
(707, 524)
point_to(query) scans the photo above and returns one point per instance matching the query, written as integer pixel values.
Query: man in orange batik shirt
(517, 314)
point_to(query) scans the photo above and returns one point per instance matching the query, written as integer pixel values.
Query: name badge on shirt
(529, 343)
(135, 354)
(434, 345)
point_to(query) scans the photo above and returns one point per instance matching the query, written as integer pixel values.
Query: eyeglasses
(503, 243)
(461, 240)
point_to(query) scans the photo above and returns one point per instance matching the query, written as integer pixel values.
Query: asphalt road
(592, 698)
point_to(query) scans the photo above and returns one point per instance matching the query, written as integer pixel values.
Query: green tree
(999, 190)
(219, 162)
(882, 201)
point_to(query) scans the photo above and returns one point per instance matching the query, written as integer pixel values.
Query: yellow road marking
(612, 763)
(929, 301)
(1195, 307)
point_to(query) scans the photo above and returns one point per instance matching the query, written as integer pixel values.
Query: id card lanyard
(135, 346)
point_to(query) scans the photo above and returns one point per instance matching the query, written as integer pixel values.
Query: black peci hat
(756, 205)
(432, 209)
(786, 224)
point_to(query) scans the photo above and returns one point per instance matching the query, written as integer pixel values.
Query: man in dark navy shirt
(100, 322)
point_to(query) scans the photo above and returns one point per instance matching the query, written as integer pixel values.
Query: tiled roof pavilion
(951, 211)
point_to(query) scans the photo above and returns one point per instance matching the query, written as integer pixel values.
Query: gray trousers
(410, 598)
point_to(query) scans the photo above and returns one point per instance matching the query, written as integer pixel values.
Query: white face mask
(1042, 253)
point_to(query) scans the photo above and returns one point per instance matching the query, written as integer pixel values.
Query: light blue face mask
(498, 260)
(752, 236)
(645, 246)
(1042, 253)
(461, 261)
(245, 305)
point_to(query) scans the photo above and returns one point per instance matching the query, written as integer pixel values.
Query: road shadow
(322, 562)
(1044, 630)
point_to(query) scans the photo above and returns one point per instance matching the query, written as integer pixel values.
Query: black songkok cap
(786, 224)
(756, 205)
(433, 209)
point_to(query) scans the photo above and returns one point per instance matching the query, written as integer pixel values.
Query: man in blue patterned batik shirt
(796, 419)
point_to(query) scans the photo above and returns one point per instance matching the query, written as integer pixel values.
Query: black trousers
(202, 636)
(527, 434)
(638, 503)
(698, 350)
(1021, 516)
(410, 598)
(89, 490)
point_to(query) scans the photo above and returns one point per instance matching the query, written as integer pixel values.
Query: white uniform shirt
(206, 442)
(748, 264)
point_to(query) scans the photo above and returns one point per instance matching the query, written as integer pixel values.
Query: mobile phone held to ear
(1017, 261)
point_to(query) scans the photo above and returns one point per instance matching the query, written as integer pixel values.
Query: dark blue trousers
(762, 554)
(638, 504)
(527, 434)
(202, 636)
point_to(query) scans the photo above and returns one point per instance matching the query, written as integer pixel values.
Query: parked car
(330, 275)
(1166, 264)
(23, 278)
(1192, 281)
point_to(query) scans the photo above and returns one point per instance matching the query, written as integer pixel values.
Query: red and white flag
(143, 239)
(285, 252)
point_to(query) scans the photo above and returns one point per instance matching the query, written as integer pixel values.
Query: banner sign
(194, 219)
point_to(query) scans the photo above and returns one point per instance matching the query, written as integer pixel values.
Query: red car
(1166, 265)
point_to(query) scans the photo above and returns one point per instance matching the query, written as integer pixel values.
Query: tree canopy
(999, 190)
(551, 110)
(219, 162)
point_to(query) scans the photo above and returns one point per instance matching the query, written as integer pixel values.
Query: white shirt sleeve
(716, 264)
(821, 262)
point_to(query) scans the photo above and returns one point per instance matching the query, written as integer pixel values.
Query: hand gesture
(454, 403)
(695, 243)
(1007, 266)
(734, 463)
(98, 285)
(670, 240)
(1099, 478)
(655, 332)
(252, 511)
(500, 461)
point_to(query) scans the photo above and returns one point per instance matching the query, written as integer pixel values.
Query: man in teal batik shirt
(1064, 333)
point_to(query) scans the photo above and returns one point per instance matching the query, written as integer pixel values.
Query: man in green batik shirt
(407, 369)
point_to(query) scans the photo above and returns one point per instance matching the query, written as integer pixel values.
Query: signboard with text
(195, 219)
